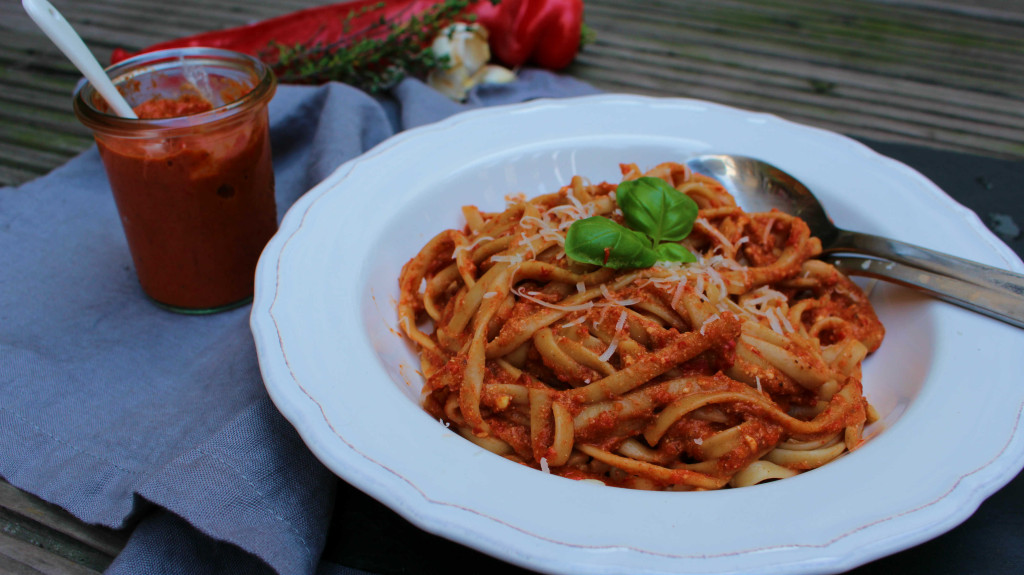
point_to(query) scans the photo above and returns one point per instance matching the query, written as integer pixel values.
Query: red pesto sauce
(184, 105)
(197, 211)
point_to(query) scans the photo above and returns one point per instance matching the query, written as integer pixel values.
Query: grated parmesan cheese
(576, 202)
(529, 242)
(785, 322)
(469, 246)
(513, 259)
(576, 211)
(773, 321)
(576, 321)
(714, 232)
(615, 338)
(620, 323)
(767, 232)
(545, 229)
(718, 261)
(577, 307)
(622, 302)
(552, 236)
(544, 465)
(711, 319)
(699, 287)
(764, 294)
(678, 293)
(611, 349)
(534, 221)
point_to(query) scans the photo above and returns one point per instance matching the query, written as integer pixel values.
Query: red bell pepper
(541, 32)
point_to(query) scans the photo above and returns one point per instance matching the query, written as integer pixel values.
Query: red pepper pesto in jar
(197, 208)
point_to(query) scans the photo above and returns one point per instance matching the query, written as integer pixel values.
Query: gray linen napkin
(128, 415)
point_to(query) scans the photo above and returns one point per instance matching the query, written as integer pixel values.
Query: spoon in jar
(759, 186)
(60, 32)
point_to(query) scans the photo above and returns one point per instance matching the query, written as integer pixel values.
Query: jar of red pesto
(192, 176)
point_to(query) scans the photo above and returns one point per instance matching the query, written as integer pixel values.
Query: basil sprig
(660, 217)
(600, 241)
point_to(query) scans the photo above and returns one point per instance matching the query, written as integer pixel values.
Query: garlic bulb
(468, 53)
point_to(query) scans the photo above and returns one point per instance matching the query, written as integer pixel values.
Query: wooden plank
(703, 36)
(43, 546)
(710, 50)
(706, 34)
(25, 507)
(55, 102)
(20, 558)
(800, 76)
(850, 92)
(34, 160)
(49, 84)
(1000, 10)
(800, 22)
(45, 122)
(640, 79)
(21, 137)
(12, 176)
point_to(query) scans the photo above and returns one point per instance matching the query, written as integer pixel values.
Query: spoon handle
(60, 32)
(929, 260)
(991, 300)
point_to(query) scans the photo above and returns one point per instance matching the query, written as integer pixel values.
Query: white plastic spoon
(53, 24)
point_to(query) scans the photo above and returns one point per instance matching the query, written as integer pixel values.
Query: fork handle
(993, 301)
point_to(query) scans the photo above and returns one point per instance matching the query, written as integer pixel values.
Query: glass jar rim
(150, 62)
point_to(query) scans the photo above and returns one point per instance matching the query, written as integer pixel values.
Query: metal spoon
(53, 24)
(759, 186)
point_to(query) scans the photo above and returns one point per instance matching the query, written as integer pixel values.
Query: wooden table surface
(936, 73)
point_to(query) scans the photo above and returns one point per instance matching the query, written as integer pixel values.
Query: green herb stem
(375, 57)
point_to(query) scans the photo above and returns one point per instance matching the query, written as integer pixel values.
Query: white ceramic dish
(946, 381)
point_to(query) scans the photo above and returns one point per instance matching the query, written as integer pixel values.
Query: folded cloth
(128, 415)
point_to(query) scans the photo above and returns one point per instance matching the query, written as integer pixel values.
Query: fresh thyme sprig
(374, 58)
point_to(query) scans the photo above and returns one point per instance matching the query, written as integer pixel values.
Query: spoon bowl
(759, 186)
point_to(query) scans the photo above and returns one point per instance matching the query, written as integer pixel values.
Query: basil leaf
(600, 241)
(670, 252)
(652, 206)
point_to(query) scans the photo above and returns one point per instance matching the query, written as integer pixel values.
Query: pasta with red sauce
(741, 367)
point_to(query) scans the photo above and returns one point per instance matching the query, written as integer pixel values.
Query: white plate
(946, 381)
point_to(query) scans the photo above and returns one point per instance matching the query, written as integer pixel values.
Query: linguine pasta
(741, 367)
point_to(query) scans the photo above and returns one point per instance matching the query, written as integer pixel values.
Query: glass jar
(192, 178)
